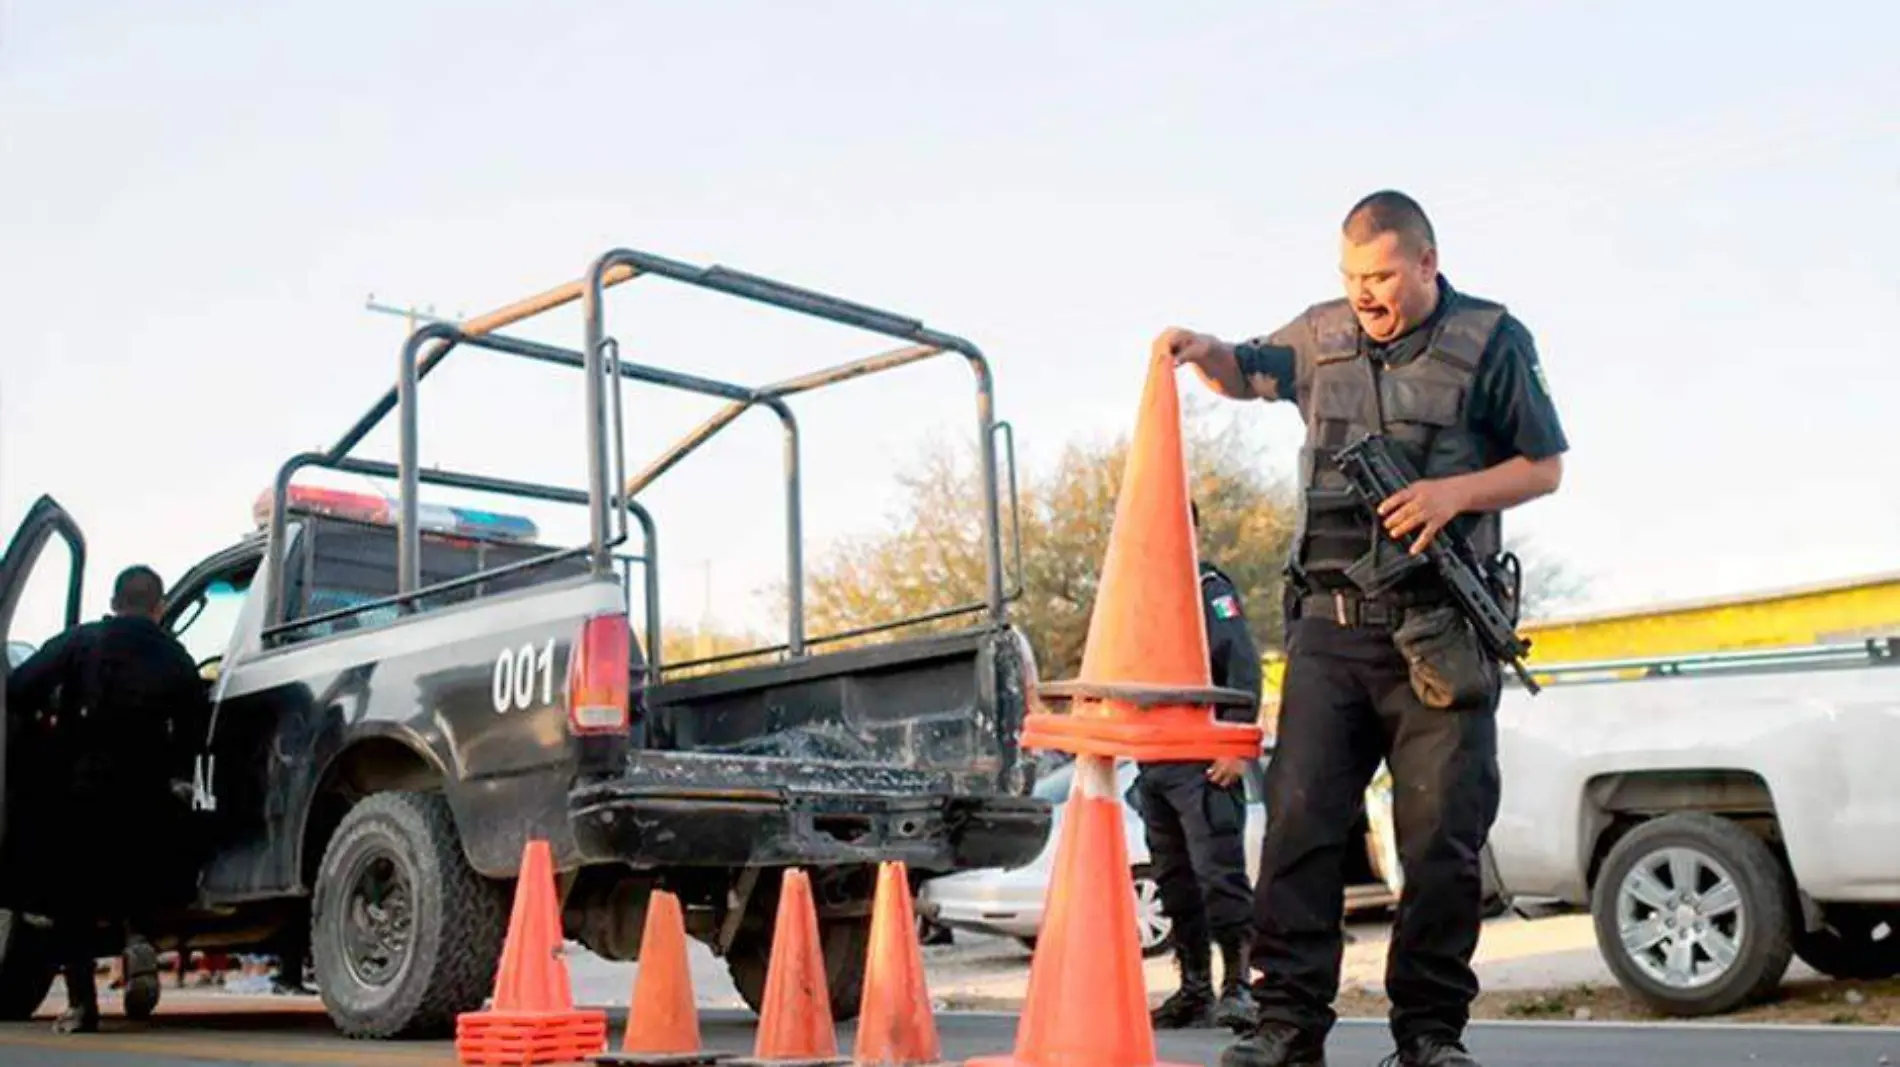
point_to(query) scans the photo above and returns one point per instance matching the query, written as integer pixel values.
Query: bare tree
(930, 555)
(1550, 583)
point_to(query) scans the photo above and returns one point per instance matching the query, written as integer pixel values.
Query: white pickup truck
(1718, 815)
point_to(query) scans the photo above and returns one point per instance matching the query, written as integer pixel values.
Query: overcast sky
(1692, 205)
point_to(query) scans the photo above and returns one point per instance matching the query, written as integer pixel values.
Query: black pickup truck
(404, 694)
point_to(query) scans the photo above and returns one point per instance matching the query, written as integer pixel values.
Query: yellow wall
(1816, 614)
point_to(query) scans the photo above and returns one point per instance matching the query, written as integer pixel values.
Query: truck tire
(843, 941)
(1720, 941)
(26, 969)
(1856, 947)
(404, 934)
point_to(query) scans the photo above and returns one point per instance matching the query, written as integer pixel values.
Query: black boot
(1192, 1005)
(1275, 1044)
(141, 978)
(82, 1000)
(1432, 1051)
(1235, 1010)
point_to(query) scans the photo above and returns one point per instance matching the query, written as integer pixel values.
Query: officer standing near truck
(1453, 382)
(1194, 814)
(129, 707)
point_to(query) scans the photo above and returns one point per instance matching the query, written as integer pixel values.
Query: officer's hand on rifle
(1426, 505)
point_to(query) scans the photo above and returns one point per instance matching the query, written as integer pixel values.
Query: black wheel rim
(378, 918)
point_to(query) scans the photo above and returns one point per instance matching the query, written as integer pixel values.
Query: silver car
(1008, 902)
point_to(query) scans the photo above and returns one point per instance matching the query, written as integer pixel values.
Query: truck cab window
(205, 624)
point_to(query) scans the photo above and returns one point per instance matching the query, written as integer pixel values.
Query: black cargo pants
(1195, 848)
(1346, 704)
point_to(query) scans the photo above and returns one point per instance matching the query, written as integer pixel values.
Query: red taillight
(598, 676)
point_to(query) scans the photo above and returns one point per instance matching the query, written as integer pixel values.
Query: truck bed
(888, 752)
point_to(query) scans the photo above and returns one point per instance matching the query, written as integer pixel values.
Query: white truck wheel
(1694, 915)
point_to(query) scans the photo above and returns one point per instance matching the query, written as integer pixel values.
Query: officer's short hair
(137, 591)
(1390, 211)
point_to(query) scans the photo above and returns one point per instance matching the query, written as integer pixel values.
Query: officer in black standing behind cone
(130, 710)
(1453, 382)
(1195, 814)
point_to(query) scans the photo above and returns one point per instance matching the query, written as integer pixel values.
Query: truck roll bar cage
(610, 494)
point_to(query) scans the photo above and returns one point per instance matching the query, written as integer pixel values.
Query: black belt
(1348, 607)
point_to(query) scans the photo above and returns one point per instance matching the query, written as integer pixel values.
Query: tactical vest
(1420, 405)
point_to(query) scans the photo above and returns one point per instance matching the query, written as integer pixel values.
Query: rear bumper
(746, 826)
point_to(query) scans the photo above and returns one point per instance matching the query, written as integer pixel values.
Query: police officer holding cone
(1453, 382)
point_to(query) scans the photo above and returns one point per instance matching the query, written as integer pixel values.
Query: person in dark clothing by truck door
(1453, 382)
(130, 710)
(1195, 814)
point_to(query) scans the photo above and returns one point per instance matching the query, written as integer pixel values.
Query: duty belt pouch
(1446, 663)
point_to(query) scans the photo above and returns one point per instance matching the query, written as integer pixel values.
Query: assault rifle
(1376, 472)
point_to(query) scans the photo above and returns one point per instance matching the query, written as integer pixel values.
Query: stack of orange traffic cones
(532, 1019)
(1145, 693)
(663, 1020)
(896, 1027)
(795, 1026)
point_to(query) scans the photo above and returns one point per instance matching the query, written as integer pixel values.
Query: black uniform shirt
(1511, 409)
(130, 702)
(1234, 659)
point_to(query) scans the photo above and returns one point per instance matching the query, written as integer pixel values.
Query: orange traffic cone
(1146, 690)
(663, 1021)
(896, 1027)
(1087, 1001)
(532, 1019)
(795, 1026)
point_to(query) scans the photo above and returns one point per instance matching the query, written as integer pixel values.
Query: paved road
(280, 1039)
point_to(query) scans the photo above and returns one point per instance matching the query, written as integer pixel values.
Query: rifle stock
(1376, 472)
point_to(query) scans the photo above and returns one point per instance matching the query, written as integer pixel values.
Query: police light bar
(379, 511)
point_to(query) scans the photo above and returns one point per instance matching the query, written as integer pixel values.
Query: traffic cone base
(1151, 736)
(532, 1019)
(1087, 1002)
(662, 1018)
(495, 1039)
(696, 1058)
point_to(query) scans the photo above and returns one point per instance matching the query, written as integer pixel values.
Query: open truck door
(26, 963)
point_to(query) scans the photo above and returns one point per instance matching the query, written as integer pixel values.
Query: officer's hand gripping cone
(1146, 688)
(795, 1027)
(663, 1019)
(896, 1027)
(532, 1019)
